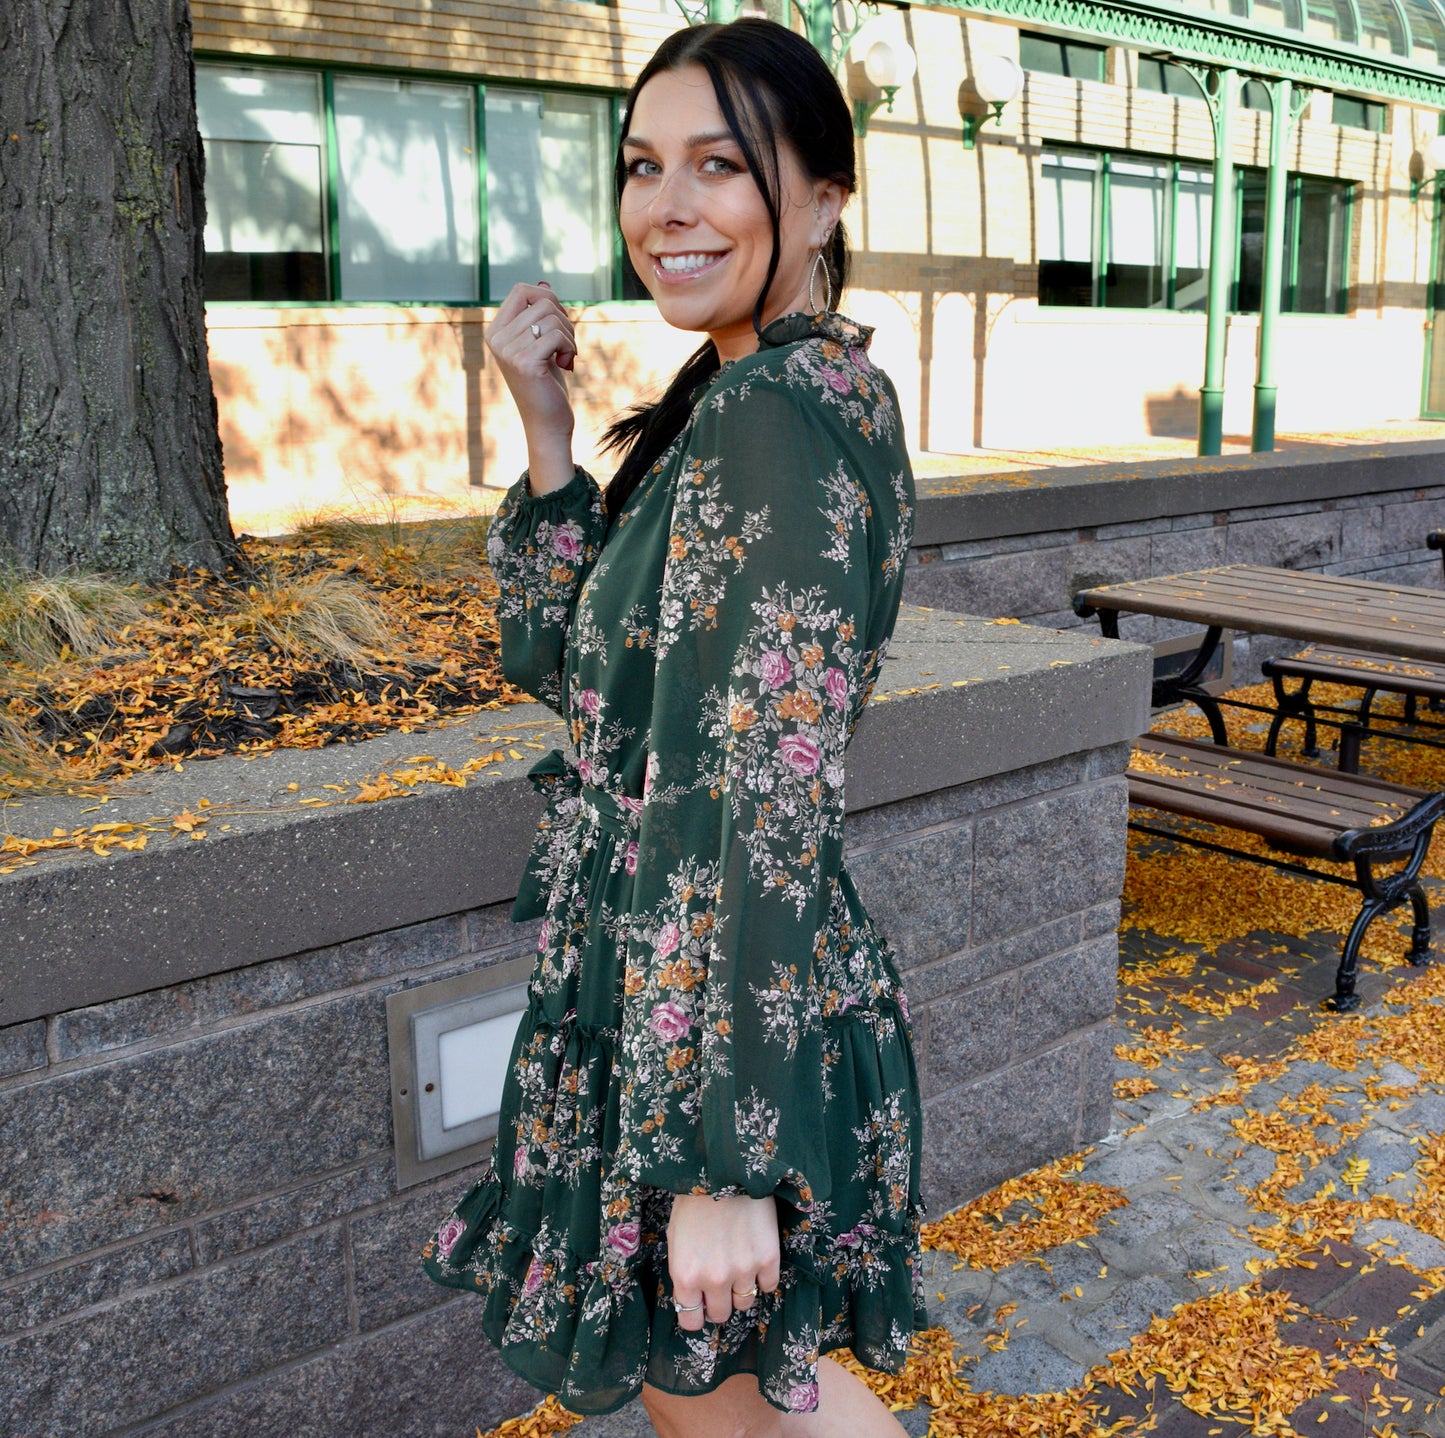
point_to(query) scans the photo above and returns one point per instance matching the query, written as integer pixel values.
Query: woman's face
(696, 227)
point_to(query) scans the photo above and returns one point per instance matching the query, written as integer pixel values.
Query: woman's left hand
(721, 1253)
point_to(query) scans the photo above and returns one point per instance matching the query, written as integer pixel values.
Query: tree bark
(109, 453)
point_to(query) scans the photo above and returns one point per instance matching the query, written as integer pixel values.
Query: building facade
(378, 177)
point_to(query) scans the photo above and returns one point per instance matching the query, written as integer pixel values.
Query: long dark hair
(771, 85)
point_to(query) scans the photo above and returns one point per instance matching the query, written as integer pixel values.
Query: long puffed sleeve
(540, 549)
(789, 528)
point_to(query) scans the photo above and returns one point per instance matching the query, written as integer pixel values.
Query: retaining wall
(1024, 545)
(201, 1227)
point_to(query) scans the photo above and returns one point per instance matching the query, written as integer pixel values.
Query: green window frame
(1169, 269)
(281, 279)
(1049, 55)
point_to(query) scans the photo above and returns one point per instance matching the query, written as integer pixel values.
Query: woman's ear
(829, 197)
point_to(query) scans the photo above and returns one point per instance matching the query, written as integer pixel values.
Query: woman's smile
(678, 269)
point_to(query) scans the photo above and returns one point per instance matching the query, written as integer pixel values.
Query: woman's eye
(642, 167)
(720, 165)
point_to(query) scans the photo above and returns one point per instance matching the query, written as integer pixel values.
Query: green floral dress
(711, 1010)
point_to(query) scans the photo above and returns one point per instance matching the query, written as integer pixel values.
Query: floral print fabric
(712, 1010)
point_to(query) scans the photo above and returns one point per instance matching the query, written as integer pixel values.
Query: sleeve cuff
(577, 494)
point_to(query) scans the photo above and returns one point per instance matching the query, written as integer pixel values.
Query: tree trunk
(109, 454)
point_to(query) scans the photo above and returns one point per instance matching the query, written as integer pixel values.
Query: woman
(710, 1128)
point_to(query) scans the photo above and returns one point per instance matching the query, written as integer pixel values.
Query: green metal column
(1221, 266)
(1281, 98)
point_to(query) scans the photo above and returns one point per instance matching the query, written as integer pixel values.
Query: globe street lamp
(889, 65)
(996, 80)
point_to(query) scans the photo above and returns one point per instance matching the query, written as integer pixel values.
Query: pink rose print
(534, 1278)
(799, 753)
(590, 703)
(633, 806)
(519, 1161)
(903, 1007)
(668, 938)
(836, 683)
(669, 1022)
(837, 382)
(624, 1238)
(448, 1234)
(567, 539)
(861, 361)
(544, 935)
(585, 772)
(803, 1398)
(775, 668)
(629, 857)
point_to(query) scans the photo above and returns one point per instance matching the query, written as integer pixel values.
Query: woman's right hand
(532, 341)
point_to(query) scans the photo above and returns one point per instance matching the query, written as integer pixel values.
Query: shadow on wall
(403, 403)
(1173, 414)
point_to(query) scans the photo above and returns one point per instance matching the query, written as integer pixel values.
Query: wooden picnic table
(1390, 619)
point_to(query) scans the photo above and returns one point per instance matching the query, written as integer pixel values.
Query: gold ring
(746, 1292)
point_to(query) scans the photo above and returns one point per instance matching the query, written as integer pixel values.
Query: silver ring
(687, 1307)
(536, 330)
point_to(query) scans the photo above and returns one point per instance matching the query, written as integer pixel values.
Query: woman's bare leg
(847, 1408)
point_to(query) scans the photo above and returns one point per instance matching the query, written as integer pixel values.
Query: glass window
(1282, 14)
(1166, 79)
(1254, 95)
(1136, 277)
(1249, 275)
(1193, 215)
(406, 172)
(1381, 28)
(1330, 20)
(549, 205)
(1427, 33)
(1320, 235)
(1133, 231)
(265, 235)
(1069, 205)
(1051, 56)
(1358, 114)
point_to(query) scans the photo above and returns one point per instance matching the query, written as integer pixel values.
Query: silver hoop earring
(820, 263)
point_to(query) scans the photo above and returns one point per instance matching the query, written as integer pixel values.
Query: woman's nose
(673, 202)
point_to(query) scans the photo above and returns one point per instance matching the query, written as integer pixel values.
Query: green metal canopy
(1394, 49)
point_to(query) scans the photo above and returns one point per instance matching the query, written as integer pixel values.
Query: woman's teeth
(681, 264)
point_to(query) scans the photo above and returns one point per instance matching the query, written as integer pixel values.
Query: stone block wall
(1362, 513)
(203, 1232)
(201, 1226)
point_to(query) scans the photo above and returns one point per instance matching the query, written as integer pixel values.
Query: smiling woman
(711, 1121)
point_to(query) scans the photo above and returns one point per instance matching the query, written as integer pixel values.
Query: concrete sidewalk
(1181, 1234)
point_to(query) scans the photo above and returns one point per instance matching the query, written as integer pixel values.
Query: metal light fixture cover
(997, 80)
(889, 66)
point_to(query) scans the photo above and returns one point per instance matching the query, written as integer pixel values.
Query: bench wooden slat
(1324, 608)
(1357, 790)
(1299, 806)
(1362, 668)
(1280, 830)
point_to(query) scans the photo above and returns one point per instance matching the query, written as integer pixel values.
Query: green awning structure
(1386, 49)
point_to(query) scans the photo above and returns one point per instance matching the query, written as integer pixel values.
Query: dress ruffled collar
(789, 329)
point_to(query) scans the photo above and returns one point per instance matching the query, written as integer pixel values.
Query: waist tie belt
(555, 778)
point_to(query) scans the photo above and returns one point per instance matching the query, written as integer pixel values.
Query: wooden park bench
(1369, 670)
(1415, 679)
(1303, 810)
